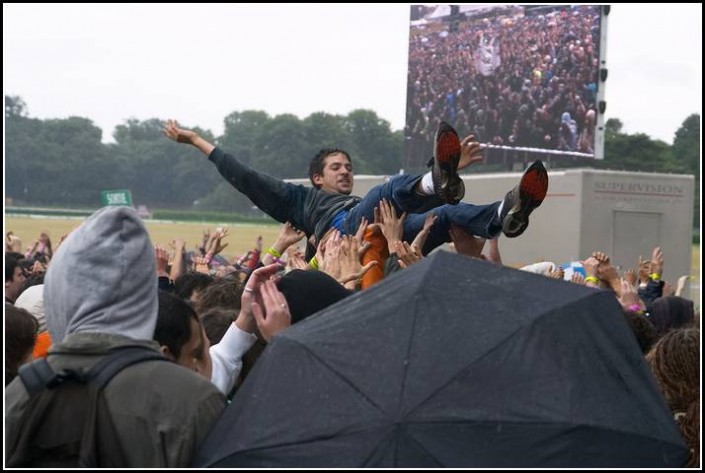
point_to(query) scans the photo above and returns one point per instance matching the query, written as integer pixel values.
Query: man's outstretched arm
(180, 135)
(279, 199)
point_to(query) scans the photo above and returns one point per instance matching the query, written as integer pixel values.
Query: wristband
(313, 263)
(655, 276)
(636, 308)
(592, 279)
(273, 252)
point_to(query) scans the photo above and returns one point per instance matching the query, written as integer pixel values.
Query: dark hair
(317, 163)
(20, 334)
(670, 312)
(12, 260)
(173, 328)
(33, 280)
(191, 281)
(224, 292)
(643, 330)
(216, 322)
(675, 362)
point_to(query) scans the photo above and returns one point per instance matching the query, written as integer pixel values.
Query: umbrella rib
(408, 348)
(346, 380)
(464, 367)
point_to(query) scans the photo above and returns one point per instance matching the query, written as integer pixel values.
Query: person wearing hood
(100, 294)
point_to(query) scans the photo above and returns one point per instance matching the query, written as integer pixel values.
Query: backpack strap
(80, 391)
(36, 375)
(39, 374)
(119, 359)
(99, 376)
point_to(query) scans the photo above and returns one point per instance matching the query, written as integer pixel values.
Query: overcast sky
(199, 63)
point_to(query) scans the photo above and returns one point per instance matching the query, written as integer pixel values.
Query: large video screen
(518, 77)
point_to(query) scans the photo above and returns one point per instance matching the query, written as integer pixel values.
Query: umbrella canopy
(453, 362)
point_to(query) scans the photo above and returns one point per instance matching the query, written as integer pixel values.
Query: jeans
(480, 220)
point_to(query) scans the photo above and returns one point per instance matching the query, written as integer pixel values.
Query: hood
(103, 279)
(32, 300)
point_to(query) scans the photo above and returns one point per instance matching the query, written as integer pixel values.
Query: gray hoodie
(100, 294)
(103, 279)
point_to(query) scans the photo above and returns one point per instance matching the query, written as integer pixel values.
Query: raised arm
(181, 135)
(280, 200)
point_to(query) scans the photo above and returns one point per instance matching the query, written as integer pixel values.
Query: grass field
(241, 239)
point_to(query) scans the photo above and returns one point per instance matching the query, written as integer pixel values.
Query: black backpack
(66, 415)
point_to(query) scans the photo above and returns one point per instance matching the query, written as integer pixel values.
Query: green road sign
(117, 197)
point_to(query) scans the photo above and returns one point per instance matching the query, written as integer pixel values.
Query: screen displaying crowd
(519, 76)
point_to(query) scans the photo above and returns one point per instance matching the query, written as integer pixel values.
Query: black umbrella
(452, 363)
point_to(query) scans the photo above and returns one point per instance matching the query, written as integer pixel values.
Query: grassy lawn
(241, 239)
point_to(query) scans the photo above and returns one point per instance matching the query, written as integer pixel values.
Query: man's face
(337, 175)
(13, 286)
(195, 353)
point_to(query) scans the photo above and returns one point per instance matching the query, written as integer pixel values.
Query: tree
(15, 107)
(686, 144)
(242, 132)
(613, 127)
(686, 149)
(637, 152)
(282, 149)
(156, 171)
(379, 151)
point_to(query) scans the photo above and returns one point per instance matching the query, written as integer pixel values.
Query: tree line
(64, 161)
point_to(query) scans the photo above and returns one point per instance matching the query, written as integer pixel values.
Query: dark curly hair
(675, 362)
(318, 162)
(20, 334)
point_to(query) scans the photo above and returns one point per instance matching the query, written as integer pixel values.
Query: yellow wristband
(592, 279)
(273, 252)
(313, 263)
(655, 276)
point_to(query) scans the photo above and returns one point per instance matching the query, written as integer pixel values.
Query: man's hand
(180, 135)
(470, 152)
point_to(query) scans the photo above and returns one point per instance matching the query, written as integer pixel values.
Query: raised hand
(470, 152)
(273, 315)
(295, 259)
(680, 287)
(200, 265)
(657, 262)
(251, 296)
(644, 270)
(392, 225)
(162, 258)
(466, 243)
(407, 255)
(421, 237)
(288, 235)
(629, 297)
(601, 257)
(577, 278)
(180, 135)
(630, 276)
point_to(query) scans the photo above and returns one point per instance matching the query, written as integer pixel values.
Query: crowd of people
(513, 79)
(105, 287)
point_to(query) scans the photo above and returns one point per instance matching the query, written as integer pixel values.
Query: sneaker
(523, 199)
(446, 154)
